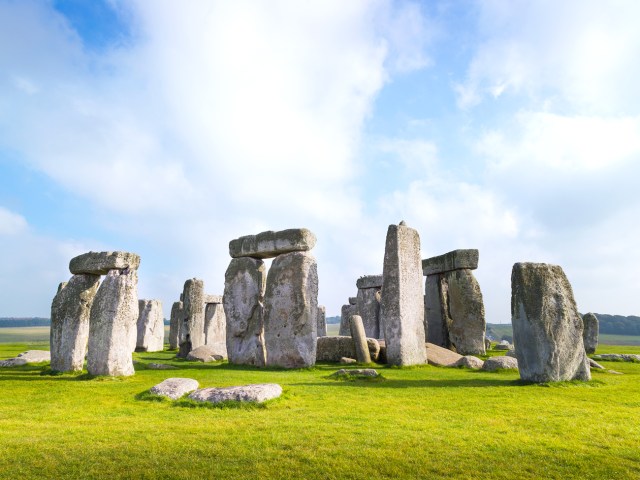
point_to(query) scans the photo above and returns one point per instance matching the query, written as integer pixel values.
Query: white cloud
(11, 223)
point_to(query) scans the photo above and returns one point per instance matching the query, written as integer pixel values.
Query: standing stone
(359, 338)
(547, 328)
(192, 329)
(177, 314)
(345, 315)
(112, 326)
(150, 326)
(368, 304)
(402, 304)
(435, 323)
(215, 327)
(243, 295)
(70, 311)
(465, 319)
(322, 321)
(291, 311)
(590, 333)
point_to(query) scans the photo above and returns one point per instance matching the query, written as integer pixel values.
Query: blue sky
(168, 128)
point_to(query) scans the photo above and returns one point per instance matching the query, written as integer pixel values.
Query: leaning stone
(70, 311)
(470, 361)
(212, 298)
(492, 364)
(455, 260)
(345, 315)
(175, 388)
(204, 353)
(356, 373)
(594, 364)
(257, 393)
(175, 323)
(112, 325)
(215, 328)
(291, 311)
(271, 244)
(150, 326)
(161, 366)
(192, 329)
(243, 294)
(442, 357)
(547, 328)
(331, 349)
(99, 263)
(369, 281)
(321, 324)
(359, 340)
(590, 332)
(347, 360)
(368, 308)
(402, 304)
(435, 321)
(353, 300)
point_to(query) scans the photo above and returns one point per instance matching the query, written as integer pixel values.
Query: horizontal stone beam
(212, 298)
(369, 281)
(455, 260)
(99, 263)
(271, 244)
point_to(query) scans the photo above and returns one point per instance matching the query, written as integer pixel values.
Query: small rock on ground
(348, 360)
(260, 392)
(500, 363)
(205, 354)
(469, 361)
(174, 388)
(30, 356)
(359, 372)
(161, 366)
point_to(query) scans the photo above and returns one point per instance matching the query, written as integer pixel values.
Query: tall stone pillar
(215, 325)
(192, 329)
(322, 321)
(590, 332)
(150, 326)
(177, 314)
(368, 304)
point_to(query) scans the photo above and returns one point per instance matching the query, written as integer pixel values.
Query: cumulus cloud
(11, 223)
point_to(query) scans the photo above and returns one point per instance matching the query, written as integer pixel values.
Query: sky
(168, 128)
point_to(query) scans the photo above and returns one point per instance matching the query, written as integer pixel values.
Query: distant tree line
(24, 322)
(619, 325)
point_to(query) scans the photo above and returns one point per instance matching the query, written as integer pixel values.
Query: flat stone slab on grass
(618, 357)
(492, 364)
(30, 356)
(260, 392)
(206, 354)
(357, 373)
(161, 366)
(469, 361)
(271, 244)
(347, 360)
(455, 260)
(175, 388)
(441, 357)
(99, 263)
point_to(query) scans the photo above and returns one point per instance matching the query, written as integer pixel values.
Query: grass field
(424, 422)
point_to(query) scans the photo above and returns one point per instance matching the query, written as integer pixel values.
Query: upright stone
(150, 326)
(215, 327)
(590, 332)
(291, 311)
(243, 295)
(547, 328)
(112, 326)
(322, 321)
(368, 304)
(436, 328)
(402, 304)
(177, 314)
(70, 311)
(192, 329)
(345, 317)
(359, 338)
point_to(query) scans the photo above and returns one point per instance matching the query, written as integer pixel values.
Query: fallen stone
(359, 340)
(257, 393)
(150, 326)
(291, 311)
(321, 324)
(175, 388)
(356, 373)
(24, 358)
(112, 325)
(161, 366)
(271, 244)
(369, 281)
(346, 313)
(215, 328)
(99, 263)
(442, 357)
(243, 294)
(547, 328)
(175, 323)
(470, 361)
(192, 333)
(332, 349)
(590, 332)
(347, 360)
(594, 364)
(212, 298)
(455, 260)
(204, 353)
(618, 357)
(402, 303)
(492, 364)
(69, 333)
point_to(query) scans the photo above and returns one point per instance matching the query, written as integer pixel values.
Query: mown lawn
(424, 422)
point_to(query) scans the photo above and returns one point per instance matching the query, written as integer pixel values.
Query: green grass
(32, 335)
(610, 339)
(423, 422)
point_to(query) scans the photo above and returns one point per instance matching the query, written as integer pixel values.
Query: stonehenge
(453, 305)
(215, 325)
(192, 329)
(368, 304)
(274, 321)
(322, 321)
(150, 326)
(359, 339)
(547, 328)
(590, 332)
(175, 322)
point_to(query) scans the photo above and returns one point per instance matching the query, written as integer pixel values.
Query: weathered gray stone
(271, 244)
(99, 263)
(547, 328)
(369, 281)
(24, 358)
(359, 339)
(487, 344)
(215, 328)
(192, 330)
(345, 316)
(465, 319)
(470, 361)
(61, 285)
(161, 366)
(368, 307)
(212, 298)
(594, 364)
(322, 321)
(435, 322)
(205, 353)
(243, 295)
(112, 325)
(175, 324)
(70, 312)
(150, 326)
(618, 357)
(402, 304)
(455, 260)
(258, 393)
(347, 360)
(442, 357)
(511, 352)
(492, 364)
(590, 332)
(291, 311)
(503, 345)
(353, 300)
(331, 349)
(356, 373)
(175, 388)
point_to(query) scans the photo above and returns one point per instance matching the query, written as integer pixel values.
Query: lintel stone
(454, 260)
(369, 281)
(270, 244)
(99, 263)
